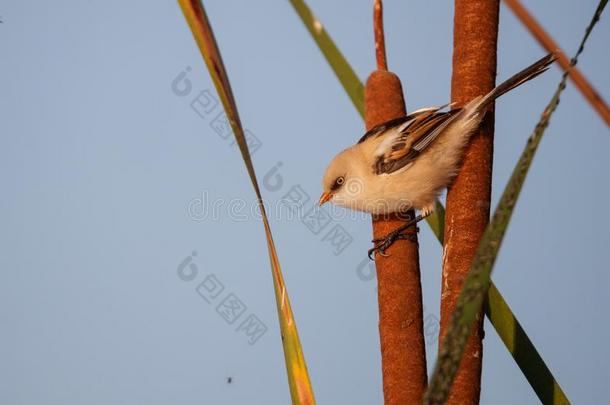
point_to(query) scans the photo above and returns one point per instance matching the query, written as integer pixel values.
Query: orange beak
(324, 198)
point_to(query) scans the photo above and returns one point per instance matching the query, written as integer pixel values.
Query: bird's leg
(383, 243)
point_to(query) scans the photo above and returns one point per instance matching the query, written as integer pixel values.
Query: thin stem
(547, 42)
(382, 63)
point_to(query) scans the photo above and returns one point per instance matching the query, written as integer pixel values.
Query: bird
(405, 163)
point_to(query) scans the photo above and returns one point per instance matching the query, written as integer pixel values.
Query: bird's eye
(338, 183)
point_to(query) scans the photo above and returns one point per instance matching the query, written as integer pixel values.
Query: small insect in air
(229, 380)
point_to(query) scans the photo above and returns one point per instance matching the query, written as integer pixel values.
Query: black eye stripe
(338, 183)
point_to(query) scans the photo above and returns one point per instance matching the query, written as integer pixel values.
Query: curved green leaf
(522, 349)
(298, 378)
(497, 310)
(478, 280)
(346, 75)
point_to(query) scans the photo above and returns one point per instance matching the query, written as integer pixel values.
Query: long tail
(458, 129)
(523, 76)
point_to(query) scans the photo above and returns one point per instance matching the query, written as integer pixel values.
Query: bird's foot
(382, 244)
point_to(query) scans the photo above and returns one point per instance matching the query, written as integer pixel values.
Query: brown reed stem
(380, 54)
(468, 199)
(403, 352)
(547, 42)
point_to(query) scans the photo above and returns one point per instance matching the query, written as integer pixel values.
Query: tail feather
(523, 76)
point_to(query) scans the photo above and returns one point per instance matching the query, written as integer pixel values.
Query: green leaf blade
(478, 280)
(503, 313)
(296, 368)
(343, 70)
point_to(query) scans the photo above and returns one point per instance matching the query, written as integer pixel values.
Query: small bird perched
(406, 162)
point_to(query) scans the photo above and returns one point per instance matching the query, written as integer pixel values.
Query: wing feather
(404, 143)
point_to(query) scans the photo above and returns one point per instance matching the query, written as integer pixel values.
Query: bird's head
(341, 183)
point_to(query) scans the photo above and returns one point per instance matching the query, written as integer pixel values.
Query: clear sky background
(104, 169)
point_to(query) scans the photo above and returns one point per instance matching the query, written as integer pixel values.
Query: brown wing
(414, 135)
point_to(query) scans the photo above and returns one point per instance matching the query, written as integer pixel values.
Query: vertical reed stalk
(403, 354)
(468, 199)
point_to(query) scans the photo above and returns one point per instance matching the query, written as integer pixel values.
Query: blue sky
(105, 171)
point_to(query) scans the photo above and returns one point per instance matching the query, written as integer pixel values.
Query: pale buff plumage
(407, 163)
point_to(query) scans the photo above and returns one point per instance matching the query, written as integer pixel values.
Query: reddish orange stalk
(382, 63)
(403, 353)
(468, 199)
(547, 42)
